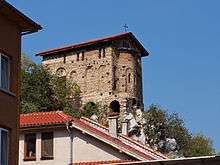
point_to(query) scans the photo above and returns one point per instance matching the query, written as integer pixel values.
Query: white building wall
(85, 148)
(61, 150)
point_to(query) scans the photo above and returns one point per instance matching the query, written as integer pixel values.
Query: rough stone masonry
(108, 70)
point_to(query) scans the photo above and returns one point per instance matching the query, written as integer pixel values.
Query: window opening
(47, 145)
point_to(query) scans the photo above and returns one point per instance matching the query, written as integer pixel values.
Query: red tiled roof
(58, 117)
(56, 50)
(44, 118)
(129, 139)
(102, 162)
(114, 140)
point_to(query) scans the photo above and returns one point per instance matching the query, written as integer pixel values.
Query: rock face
(108, 71)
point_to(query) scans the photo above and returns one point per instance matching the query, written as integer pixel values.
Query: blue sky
(182, 73)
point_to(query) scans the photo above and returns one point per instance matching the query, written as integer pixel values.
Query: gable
(88, 148)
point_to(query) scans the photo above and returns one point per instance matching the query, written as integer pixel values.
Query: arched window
(61, 72)
(115, 106)
(72, 75)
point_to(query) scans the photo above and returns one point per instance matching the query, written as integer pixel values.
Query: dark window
(47, 145)
(100, 53)
(114, 79)
(30, 147)
(83, 56)
(77, 58)
(3, 147)
(103, 52)
(115, 106)
(4, 72)
(129, 77)
(64, 59)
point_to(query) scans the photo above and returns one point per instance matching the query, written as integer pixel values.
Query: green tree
(161, 125)
(101, 111)
(41, 91)
(26, 62)
(200, 146)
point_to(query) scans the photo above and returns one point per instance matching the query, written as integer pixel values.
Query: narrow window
(83, 56)
(100, 53)
(77, 58)
(30, 147)
(64, 59)
(129, 77)
(4, 72)
(3, 147)
(47, 145)
(103, 53)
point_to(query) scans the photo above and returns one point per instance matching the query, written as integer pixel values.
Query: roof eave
(42, 126)
(26, 24)
(143, 51)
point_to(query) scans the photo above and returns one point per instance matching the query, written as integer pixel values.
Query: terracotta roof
(113, 37)
(44, 118)
(92, 128)
(124, 138)
(102, 162)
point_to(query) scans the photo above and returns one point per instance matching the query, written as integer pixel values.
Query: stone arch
(115, 106)
(73, 75)
(61, 72)
(89, 79)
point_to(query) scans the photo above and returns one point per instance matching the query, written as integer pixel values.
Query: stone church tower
(108, 70)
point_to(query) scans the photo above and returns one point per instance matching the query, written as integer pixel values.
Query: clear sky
(182, 73)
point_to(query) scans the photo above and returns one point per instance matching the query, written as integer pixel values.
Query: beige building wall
(61, 150)
(85, 148)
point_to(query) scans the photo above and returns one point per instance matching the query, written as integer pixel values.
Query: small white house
(54, 138)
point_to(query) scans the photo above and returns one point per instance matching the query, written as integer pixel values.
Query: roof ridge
(89, 42)
(32, 113)
(117, 143)
(133, 141)
(62, 114)
(82, 43)
(94, 122)
(142, 145)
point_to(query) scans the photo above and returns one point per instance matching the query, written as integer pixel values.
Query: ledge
(8, 92)
(29, 159)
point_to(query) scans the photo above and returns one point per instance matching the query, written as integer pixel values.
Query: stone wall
(104, 74)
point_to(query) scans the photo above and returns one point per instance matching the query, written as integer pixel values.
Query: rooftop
(93, 42)
(102, 162)
(37, 119)
(91, 128)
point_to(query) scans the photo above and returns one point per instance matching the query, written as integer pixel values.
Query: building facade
(54, 138)
(12, 25)
(108, 70)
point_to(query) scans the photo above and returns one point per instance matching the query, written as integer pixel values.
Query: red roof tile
(58, 117)
(56, 50)
(114, 140)
(129, 139)
(102, 162)
(44, 118)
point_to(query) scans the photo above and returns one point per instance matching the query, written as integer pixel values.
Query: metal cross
(125, 27)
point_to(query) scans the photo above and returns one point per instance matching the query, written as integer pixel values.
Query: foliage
(97, 109)
(26, 62)
(200, 146)
(162, 125)
(41, 91)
